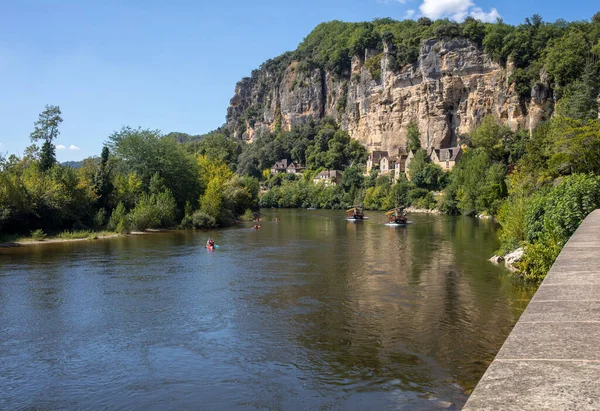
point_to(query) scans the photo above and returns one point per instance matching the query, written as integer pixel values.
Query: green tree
(413, 136)
(424, 174)
(46, 129)
(147, 152)
(102, 185)
(566, 58)
(492, 137)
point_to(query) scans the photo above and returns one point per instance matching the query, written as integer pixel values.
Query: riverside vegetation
(539, 184)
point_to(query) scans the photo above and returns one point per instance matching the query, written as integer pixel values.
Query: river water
(312, 313)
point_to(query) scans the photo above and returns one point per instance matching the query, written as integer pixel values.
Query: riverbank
(74, 237)
(28, 241)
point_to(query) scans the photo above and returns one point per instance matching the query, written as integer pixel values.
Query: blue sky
(172, 65)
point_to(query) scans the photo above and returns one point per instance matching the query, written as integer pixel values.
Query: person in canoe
(355, 213)
(397, 216)
(256, 227)
(210, 244)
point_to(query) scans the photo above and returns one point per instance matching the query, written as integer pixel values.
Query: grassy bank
(39, 237)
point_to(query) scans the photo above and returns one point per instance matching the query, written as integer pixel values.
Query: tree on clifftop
(46, 128)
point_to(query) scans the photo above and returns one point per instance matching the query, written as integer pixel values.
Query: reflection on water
(313, 312)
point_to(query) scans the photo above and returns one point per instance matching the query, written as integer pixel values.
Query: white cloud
(60, 147)
(479, 14)
(74, 147)
(456, 10)
(409, 14)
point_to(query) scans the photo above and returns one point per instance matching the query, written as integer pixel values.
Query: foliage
(102, 184)
(202, 220)
(147, 152)
(153, 211)
(99, 219)
(425, 174)
(373, 65)
(554, 217)
(248, 215)
(38, 235)
(46, 129)
(118, 220)
(75, 235)
(413, 136)
(477, 183)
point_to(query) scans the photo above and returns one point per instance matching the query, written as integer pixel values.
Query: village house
(294, 168)
(375, 159)
(280, 167)
(386, 165)
(328, 177)
(446, 158)
(400, 166)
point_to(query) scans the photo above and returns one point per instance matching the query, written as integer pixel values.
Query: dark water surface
(311, 313)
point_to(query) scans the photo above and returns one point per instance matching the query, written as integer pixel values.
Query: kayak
(357, 219)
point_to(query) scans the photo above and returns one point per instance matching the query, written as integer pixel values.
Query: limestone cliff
(451, 87)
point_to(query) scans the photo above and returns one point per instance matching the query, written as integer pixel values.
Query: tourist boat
(397, 218)
(356, 214)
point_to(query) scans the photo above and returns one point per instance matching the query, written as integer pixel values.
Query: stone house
(375, 159)
(280, 167)
(387, 165)
(294, 168)
(328, 177)
(400, 166)
(446, 158)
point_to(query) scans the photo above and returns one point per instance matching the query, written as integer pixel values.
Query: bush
(373, 65)
(118, 220)
(427, 202)
(416, 194)
(38, 235)
(144, 215)
(153, 211)
(99, 219)
(200, 219)
(248, 215)
(186, 222)
(551, 219)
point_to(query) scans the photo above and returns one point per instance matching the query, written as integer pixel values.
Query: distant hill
(72, 164)
(184, 137)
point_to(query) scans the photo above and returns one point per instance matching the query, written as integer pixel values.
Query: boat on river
(397, 217)
(356, 214)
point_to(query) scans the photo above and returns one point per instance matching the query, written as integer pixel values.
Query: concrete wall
(551, 359)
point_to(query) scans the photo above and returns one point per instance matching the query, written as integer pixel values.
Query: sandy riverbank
(92, 237)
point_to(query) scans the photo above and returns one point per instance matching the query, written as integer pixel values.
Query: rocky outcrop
(511, 259)
(453, 85)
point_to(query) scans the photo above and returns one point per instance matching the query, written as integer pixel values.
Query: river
(311, 313)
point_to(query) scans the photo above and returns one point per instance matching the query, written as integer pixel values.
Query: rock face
(447, 92)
